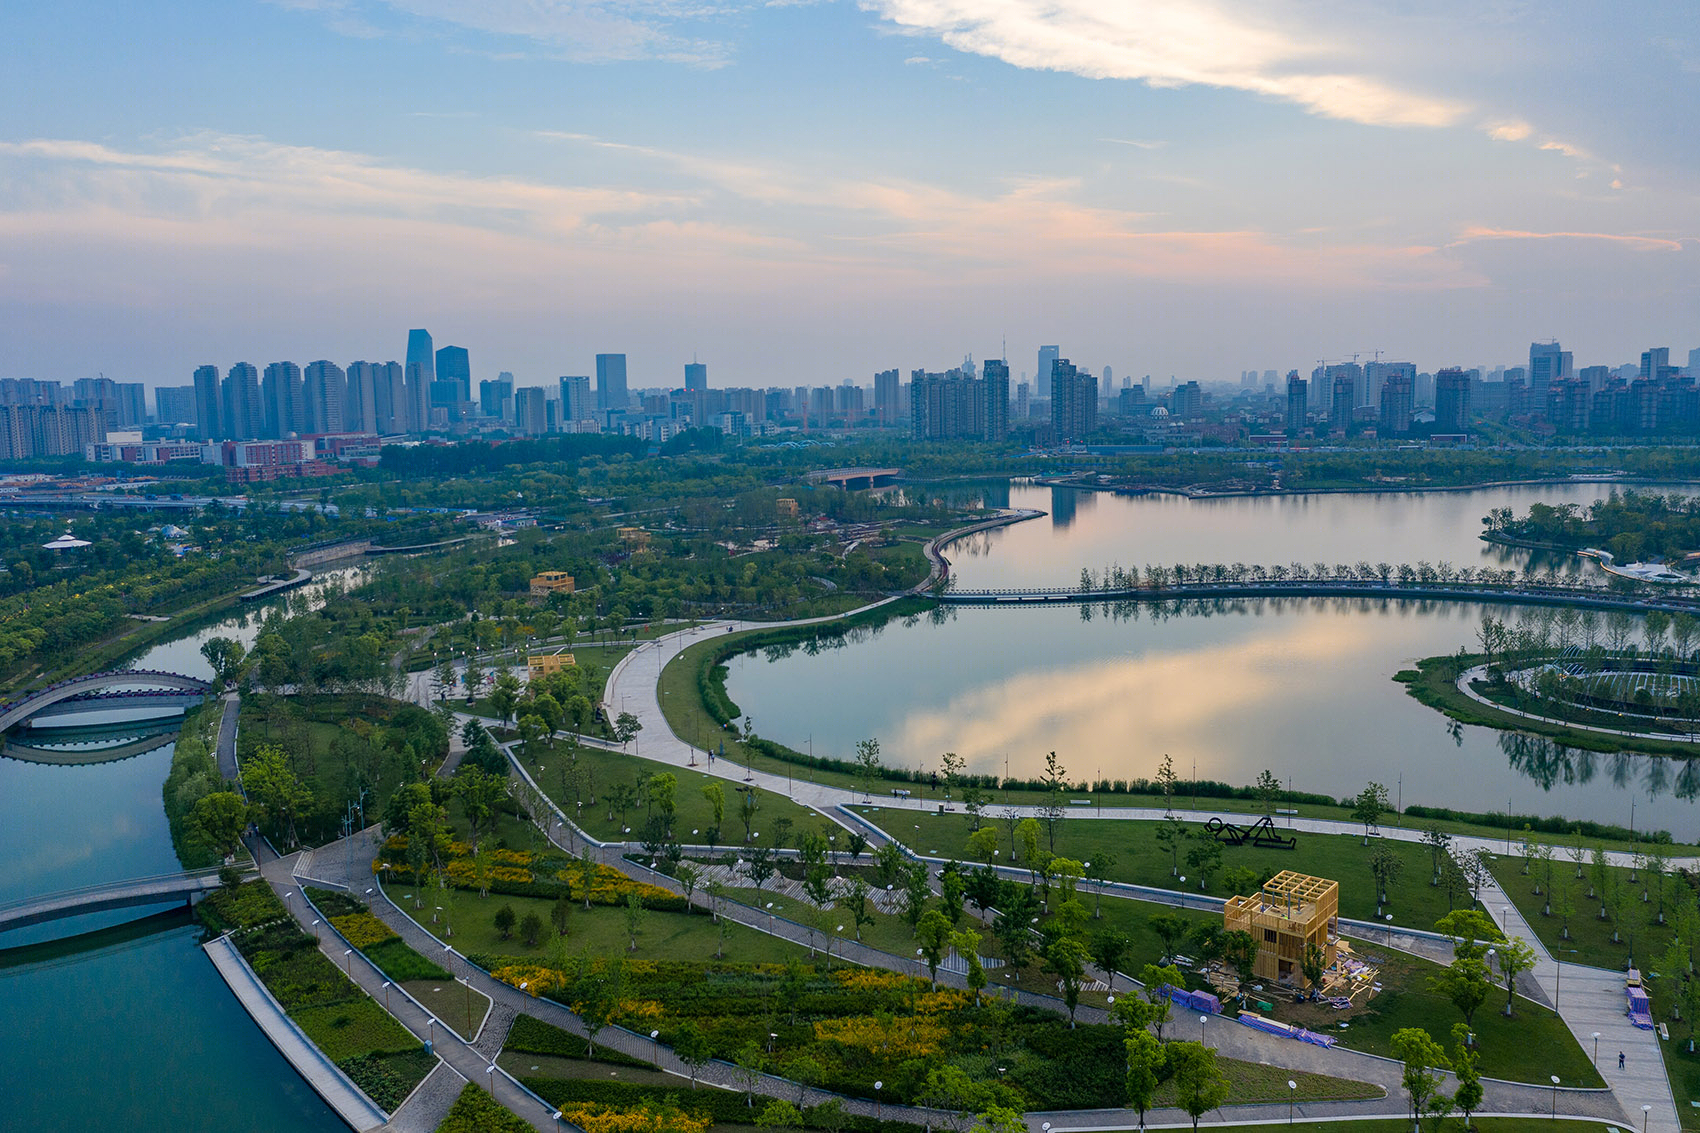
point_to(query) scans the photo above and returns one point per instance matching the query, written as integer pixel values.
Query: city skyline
(812, 192)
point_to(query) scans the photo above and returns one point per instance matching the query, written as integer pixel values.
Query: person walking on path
(1620, 1060)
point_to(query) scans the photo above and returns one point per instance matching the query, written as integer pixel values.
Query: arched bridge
(142, 687)
(85, 756)
(159, 890)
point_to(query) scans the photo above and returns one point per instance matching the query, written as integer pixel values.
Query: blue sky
(808, 192)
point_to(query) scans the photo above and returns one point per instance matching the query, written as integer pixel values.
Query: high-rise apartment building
(1187, 401)
(241, 412)
(1343, 400)
(576, 403)
(994, 372)
(1547, 364)
(415, 414)
(1451, 401)
(531, 413)
(696, 377)
(421, 354)
(1023, 401)
(280, 391)
(1655, 363)
(1298, 402)
(1074, 402)
(324, 397)
(208, 405)
(611, 382)
(175, 405)
(1048, 356)
(360, 403)
(887, 406)
(1398, 404)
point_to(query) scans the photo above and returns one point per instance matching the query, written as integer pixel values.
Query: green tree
(1171, 929)
(1145, 1065)
(932, 932)
(1268, 790)
(1200, 1085)
(716, 796)
(1109, 950)
(967, 945)
(221, 817)
(1157, 981)
(853, 899)
(1514, 956)
(225, 656)
(867, 765)
(504, 920)
(1465, 1060)
(276, 790)
(1385, 865)
(779, 1114)
(1464, 982)
(999, 1119)
(694, 1048)
(1370, 805)
(504, 697)
(1422, 1057)
(1172, 835)
(530, 928)
(634, 915)
(480, 793)
(1066, 959)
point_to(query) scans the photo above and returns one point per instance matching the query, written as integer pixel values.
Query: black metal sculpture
(1261, 833)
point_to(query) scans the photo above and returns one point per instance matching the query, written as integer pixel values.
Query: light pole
(348, 962)
(315, 927)
(1292, 1091)
(431, 1044)
(1646, 1110)
(1202, 1019)
(1596, 1048)
(386, 995)
(1555, 1097)
(879, 1110)
(655, 1048)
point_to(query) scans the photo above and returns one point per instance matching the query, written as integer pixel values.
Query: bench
(1080, 802)
(1283, 810)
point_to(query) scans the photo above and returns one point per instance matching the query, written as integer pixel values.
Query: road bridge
(92, 690)
(845, 477)
(159, 890)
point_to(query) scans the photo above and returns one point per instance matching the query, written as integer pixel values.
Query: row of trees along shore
(1423, 573)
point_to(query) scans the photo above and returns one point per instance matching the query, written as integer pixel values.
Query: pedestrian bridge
(122, 689)
(159, 890)
(82, 756)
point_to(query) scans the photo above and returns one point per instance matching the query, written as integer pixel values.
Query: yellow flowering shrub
(643, 1119)
(636, 1009)
(536, 978)
(610, 886)
(868, 979)
(913, 1037)
(362, 930)
(942, 999)
(513, 857)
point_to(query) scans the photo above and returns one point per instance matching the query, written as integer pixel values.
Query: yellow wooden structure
(552, 581)
(1291, 911)
(543, 664)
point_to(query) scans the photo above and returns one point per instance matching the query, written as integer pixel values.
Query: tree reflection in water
(1549, 764)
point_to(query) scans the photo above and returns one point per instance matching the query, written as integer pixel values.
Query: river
(1301, 687)
(115, 1030)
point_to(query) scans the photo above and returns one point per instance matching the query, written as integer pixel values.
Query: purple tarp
(1193, 1000)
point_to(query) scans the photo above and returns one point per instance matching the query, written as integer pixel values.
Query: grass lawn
(600, 931)
(354, 1027)
(452, 1003)
(1589, 935)
(693, 814)
(1591, 938)
(1139, 859)
(1528, 1047)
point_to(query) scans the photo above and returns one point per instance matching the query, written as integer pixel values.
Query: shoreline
(1189, 494)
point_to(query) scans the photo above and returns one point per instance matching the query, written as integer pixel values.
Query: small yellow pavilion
(1289, 912)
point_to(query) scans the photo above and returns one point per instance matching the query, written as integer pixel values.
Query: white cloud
(1175, 43)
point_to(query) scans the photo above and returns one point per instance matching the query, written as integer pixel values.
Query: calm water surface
(1302, 687)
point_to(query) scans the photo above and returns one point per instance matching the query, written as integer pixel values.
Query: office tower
(360, 401)
(324, 390)
(416, 417)
(611, 382)
(1694, 362)
(886, 397)
(496, 398)
(576, 403)
(1654, 362)
(1109, 384)
(995, 373)
(1187, 401)
(1023, 401)
(1451, 401)
(241, 412)
(281, 391)
(696, 377)
(1298, 401)
(1048, 356)
(1398, 404)
(175, 405)
(208, 418)
(420, 353)
(1343, 401)
(454, 365)
(531, 413)
(1074, 402)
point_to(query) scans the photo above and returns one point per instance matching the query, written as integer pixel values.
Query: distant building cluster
(286, 419)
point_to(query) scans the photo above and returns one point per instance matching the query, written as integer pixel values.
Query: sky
(805, 193)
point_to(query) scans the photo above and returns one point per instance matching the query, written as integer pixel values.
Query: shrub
(400, 964)
(352, 1028)
(477, 1112)
(531, 1035)
(363, 930)
(387, 1079)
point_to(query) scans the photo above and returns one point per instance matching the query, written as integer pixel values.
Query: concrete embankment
(342, 1095)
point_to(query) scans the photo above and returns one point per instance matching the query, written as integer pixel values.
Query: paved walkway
(1590, 1000)
(1468, 678)
(309, 1061)
(226, 750)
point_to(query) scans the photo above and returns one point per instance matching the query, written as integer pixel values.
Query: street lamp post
(1202, 1019)
(655, 1048)
(879, 1109)
(1646, 1110)
(1292, 1091)
(348, 962)
(1596, 1048)
(1555, 1097)
(386, 995)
